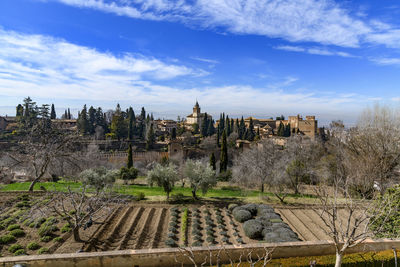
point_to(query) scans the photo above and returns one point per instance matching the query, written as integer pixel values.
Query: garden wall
(168, 256)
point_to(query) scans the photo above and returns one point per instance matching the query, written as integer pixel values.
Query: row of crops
(225, 226)
(23, 233)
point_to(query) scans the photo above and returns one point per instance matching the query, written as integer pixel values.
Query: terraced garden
(140, 226)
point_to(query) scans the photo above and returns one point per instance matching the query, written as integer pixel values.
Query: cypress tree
(173, 134)
(242, 129)
(131, 118)
(218, 134)
(287, 130)
(69, 114)
(20, 110)
(150, 140)
(258, 133)
(92, 120)
(281, 130)
(143, 114)
(152, 117)
(129, 164)
(204, 125)
(211, 128)
(65, 115)
(53, 115)
(251, 134)
(237, 126)
(232, 125)
(228, 126)
(213, 162)
(223, 160)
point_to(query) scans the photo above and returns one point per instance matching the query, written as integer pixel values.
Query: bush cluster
(261, 222)
(43, 251)
(33, 246)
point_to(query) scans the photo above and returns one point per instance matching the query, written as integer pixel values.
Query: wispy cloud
(324, 22)
(206, 60)
(386, 61)
(314, 51)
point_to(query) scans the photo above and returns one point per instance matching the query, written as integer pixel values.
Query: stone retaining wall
(170, 256)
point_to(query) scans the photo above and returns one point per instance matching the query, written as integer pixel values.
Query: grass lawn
(157, 193)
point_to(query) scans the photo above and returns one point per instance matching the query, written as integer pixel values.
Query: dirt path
(312, 224)
(146, 232)
(162, 228)
(113, 240)
(131, 224)
(296, 225)
(320, 228)
(103, 231)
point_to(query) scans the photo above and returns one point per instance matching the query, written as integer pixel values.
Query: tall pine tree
(92, 120)
(118, 124)
(227, 126)
(211, 128)
(150, 139)
(281, 130)
(69, 114)
(242, 129)
(83, 122)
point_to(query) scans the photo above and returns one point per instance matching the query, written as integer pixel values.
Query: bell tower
(196, 109)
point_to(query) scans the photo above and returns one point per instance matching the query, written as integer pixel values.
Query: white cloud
(324, 21)
(386, 61)
(55, 70)
(313, 51)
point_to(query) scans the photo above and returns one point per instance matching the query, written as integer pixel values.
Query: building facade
(196, 117)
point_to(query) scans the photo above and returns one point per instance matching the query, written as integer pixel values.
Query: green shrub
(8, 221)
(241, 215)
(253, 229)
(23, 204)
(196, 232)
(210, 239)
(275, 220)
(51, 220)
(46, 238)
(24, 197)
(387, 223)
(171, 235)
(33, 246)
(58, 239)
(6, 239)
(170, 243)
(17, 232)
(223, 233)
(19, 252)
(46, 229)
(239, 240)
(66, 228)
(128, 173)
(197, 244)
(173, 224)
(15, 247)
(250, 207)
(210, 232)
(173, 230)
(140, 196)
(13, 227)
(43, 251)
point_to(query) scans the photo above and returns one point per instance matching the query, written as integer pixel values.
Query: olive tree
(200, 176)
(99, 178)
(164, 176)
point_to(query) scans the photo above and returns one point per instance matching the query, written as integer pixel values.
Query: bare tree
(348, 218)
(255, 167)
(221, 255)
(300, 153)
(80, 207)
(44, 146)
(375, 145)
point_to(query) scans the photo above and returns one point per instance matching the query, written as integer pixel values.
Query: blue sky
(254, 57)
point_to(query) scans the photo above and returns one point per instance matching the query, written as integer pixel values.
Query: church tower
(196, 109)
